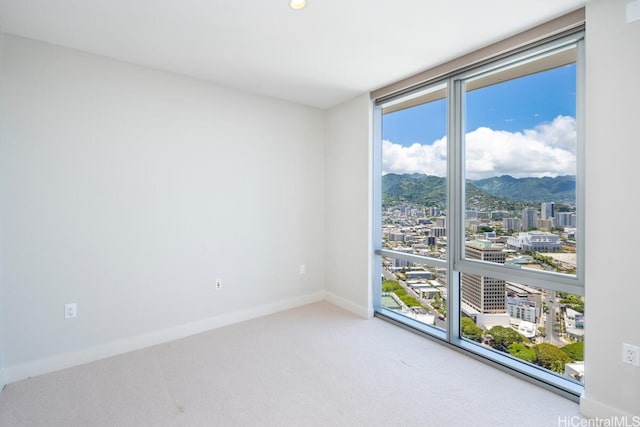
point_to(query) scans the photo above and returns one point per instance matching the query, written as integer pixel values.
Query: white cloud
(546, 150)
(429, 159)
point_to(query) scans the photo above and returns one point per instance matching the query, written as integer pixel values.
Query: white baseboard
(600, 411)
(358, 310)
(67, 360)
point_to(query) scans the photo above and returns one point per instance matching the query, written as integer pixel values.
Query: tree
(575, 351)
(390, 286)
(438, 304)
(521, 352)
(410, 301)
(504, 337)
(401, 293)
(551, 357)
(573, 301)
(470, 330)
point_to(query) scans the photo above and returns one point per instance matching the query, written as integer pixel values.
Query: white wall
(129, 191)
(348, 165)
(612, 292)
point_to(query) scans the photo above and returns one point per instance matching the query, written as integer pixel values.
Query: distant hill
(497, 193)
(561, 189)
(417, 188)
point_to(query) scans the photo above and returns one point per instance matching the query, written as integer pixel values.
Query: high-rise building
(547, 210)
(485, 294)
(565, 219)
(511, 224)
(529, 218)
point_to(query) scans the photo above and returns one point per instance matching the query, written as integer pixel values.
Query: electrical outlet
(218, 284)
(70, 310)
(303, 269)
(631, 354)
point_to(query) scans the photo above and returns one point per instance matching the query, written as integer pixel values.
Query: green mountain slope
(561, 189)
(498, 193)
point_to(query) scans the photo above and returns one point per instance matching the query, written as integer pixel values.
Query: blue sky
(512, 106)
(532, 117)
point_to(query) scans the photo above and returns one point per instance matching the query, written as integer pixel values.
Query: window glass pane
(514, 141)
(520, 164)
(414, 169)
(538, 326)
(415, 290)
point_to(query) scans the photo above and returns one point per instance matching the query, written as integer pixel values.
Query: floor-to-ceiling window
(414, 205)
(479, 210)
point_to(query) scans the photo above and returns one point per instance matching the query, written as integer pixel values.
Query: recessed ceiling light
(297, 4)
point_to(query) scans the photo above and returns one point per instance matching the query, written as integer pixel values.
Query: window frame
(560, 282)
(455, 262)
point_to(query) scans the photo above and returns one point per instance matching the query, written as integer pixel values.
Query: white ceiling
(323, 55)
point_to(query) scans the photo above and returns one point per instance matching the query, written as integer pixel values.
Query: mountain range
(497, 193)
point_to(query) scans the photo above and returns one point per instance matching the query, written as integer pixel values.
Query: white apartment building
(538, 241)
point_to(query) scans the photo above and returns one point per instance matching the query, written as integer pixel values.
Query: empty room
(318, 213)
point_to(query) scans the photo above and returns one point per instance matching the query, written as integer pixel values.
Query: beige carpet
(316, 365)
